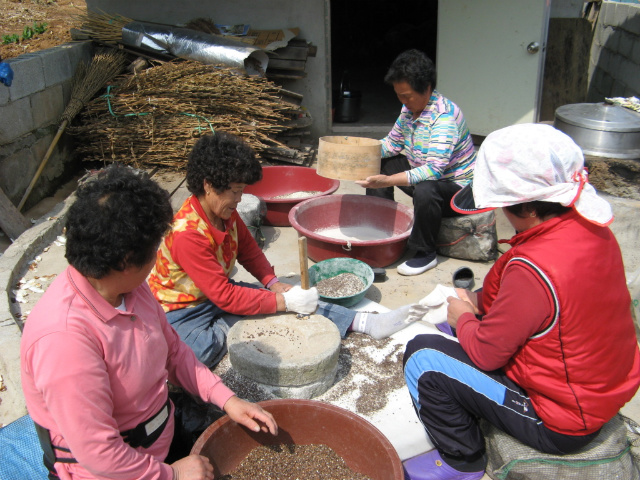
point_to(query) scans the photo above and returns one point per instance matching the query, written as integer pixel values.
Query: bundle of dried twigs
(101, 26)
(154, 117)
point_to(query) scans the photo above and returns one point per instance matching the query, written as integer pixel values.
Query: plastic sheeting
(193, 45)
(21, 452)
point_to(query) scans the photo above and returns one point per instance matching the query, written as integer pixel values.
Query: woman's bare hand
(280, 287)
(193, 467)
(456, 308)
(251, 415)
(375, 181)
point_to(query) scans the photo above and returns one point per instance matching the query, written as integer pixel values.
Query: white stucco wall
(311, 16)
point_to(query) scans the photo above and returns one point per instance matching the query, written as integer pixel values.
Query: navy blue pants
(450, 394)
(431, 202)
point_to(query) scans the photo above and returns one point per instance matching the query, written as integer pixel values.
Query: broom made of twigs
(87, 80)
(102, 26)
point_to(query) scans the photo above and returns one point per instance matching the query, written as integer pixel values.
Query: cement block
(15, 120)
(607, 13)
(632, 24)
(56, 65)
(28, 75)
(4, 95)
(17, 166)
(47, 106)
(635, 53)
(624, 12)
(630, 74)
(626, 43)
(78, 52)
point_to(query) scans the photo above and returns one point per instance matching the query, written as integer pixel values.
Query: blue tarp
(21, 457)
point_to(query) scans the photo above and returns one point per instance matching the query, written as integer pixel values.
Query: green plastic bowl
(335, 266)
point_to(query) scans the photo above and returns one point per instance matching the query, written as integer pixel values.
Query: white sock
(381, 325)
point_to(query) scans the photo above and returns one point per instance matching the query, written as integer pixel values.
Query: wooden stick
(43, 163)
(304, 269)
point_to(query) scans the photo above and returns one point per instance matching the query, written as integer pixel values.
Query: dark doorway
(366, 35)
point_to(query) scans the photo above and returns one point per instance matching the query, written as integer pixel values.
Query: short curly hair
(415, 68)
(221, 159)
(117, 220)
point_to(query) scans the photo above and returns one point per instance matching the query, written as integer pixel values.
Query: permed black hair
(221, 159)
(117, 220)
(415, 68)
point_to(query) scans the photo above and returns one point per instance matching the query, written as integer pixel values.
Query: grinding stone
(283, 350)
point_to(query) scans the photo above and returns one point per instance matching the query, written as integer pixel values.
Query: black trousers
(431, 202)
(450, 394)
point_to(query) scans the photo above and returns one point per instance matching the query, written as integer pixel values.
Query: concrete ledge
(13, 264)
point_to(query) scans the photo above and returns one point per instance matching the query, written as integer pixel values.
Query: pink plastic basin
(284, 180)
(352, 213)
(304, 422)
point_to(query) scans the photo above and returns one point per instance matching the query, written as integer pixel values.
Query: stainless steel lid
(600, 116)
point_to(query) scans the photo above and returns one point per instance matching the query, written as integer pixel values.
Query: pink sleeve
(193, 253)
(522, 307)
(70, 372)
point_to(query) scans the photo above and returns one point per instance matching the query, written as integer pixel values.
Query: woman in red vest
(546, 350)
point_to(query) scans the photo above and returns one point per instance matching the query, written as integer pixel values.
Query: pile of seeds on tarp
(153, 118)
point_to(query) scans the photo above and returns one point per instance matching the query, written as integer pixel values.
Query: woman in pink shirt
(97, 352)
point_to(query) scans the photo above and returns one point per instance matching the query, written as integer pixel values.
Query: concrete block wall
(30, 116)
(614, 66)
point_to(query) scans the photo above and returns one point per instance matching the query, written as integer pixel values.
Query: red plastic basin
(284, 180)
(304, 422)
(391, 221)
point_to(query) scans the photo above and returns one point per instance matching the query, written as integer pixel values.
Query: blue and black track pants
(450, 394)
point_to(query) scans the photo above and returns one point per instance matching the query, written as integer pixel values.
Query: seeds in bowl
(342, 285)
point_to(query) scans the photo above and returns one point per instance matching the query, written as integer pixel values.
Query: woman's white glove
(433, 307)
(301, 301)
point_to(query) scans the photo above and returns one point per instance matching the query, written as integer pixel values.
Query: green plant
(14, 38)
(30, 32)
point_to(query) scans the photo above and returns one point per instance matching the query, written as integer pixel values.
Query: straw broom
(87, 80)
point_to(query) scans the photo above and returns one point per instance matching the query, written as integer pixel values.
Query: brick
(15, 120)
(47, 106)
(56, 65)
(28, 76)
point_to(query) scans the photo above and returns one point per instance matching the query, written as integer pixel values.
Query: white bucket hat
(529, 162)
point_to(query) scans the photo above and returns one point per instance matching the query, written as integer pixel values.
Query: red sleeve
(522, 308)
(251, 257)
(193, 253)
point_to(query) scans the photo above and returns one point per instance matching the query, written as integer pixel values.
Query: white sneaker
(420, 263)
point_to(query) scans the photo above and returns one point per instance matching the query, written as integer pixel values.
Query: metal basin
(371, 229)
(601, 129)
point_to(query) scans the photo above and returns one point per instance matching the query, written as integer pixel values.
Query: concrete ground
(37, 257)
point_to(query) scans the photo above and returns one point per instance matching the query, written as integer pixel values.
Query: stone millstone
(286, 354)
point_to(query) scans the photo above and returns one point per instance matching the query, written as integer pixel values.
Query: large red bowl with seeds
(362, 446)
